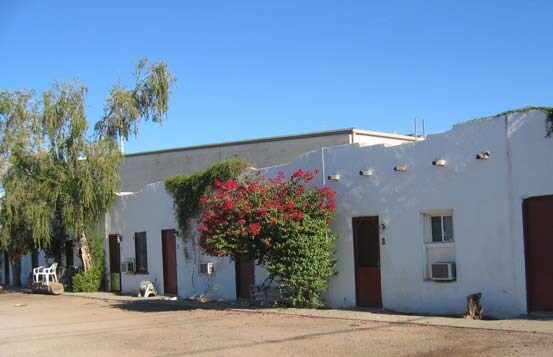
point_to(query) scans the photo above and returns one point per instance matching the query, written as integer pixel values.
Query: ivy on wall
(187, 189)
(548, 116)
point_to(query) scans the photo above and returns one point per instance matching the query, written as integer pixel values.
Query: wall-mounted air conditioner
(206, 268)
(443, 271)
(128, 266)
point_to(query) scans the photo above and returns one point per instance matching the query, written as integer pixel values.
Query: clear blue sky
(254, 68)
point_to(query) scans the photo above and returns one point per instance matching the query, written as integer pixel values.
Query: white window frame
(428, 226)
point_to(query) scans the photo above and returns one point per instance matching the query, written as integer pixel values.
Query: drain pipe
(323, 166)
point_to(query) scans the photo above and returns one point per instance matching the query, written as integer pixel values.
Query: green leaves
(278, 222)
(52, 173)
(148, 100)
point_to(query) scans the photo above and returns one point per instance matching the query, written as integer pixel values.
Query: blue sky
(249, 69)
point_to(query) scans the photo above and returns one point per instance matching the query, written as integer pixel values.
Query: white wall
(485, 197)
(151, 211)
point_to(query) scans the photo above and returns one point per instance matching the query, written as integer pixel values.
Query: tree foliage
(280, 223)
(53, 173)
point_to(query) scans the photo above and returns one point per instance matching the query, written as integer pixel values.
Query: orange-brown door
(115, 262)
(245, 277)
(169, 248)
(367, 261)
(538, 238)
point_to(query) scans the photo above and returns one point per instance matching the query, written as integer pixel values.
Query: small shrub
(93, 279)
(88, 281)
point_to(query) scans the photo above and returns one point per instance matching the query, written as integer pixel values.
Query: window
(441, 228)
(141, 253)
(439, 239)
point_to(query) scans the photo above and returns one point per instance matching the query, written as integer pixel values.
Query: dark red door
(114, 262)
(366, 247)
(6, 268)
(169, 248)
(245, 276)
(538, 238)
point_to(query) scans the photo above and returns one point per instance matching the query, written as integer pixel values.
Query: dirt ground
(38, 325)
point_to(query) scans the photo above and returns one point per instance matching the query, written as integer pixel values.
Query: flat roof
(279, 138)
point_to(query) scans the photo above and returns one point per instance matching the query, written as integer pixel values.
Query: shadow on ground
(151, 306)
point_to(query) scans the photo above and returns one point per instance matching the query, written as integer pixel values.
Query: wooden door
(538, 239)
(115, 262)
(169, 251)
(245, 276)
(6, 268)
(69, 254)
(366, 247)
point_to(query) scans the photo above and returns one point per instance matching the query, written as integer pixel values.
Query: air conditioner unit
(206, 268)
(127, 266)
(443, 271)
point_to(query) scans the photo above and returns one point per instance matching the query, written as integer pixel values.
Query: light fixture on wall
(365, 172)
(484, 155)
(334, 177)
(438, 162)
(400, 168)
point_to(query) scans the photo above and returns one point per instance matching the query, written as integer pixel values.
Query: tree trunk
(85, 250)
(16, 272)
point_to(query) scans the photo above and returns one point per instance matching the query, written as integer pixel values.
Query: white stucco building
(140, 169)
(416, 204)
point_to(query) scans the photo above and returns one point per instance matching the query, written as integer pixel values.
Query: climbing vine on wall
(187, 189)
(548, 117)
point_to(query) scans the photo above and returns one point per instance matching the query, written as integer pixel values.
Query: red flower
(254, 228)
(229, 204)
(298, 173)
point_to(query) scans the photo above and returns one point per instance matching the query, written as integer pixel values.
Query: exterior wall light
(400, 168)
(485, 155)
(365, 172)
(334, 177)
(438, 162)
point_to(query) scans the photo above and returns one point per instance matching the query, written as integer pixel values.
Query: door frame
(118, 237)
(163, 232)
(526, 236)
(354, 221)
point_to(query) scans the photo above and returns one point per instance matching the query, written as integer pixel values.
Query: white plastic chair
(47, 273)
(36, 271)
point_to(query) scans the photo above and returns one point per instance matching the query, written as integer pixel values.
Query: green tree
(53, 171)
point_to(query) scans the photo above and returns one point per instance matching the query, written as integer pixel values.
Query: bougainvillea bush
(279, 222)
